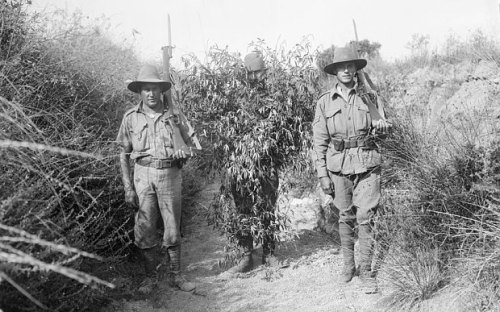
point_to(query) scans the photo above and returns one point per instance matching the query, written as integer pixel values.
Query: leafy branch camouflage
(253, 130)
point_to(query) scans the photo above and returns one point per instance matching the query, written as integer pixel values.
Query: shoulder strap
(323, 94)
(371, 107)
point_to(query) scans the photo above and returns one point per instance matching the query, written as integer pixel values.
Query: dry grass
(62, 100)
(440, 227)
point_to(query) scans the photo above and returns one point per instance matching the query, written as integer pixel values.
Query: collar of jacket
(138, 108)
(335, 90)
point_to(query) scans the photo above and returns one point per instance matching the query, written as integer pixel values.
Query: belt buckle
(353, 143)
(157, 164)
(162, 163)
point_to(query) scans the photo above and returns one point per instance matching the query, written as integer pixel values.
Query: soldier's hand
(131, 199)
(328, 201)
(326, 186)
(180, 154)
(381, 125)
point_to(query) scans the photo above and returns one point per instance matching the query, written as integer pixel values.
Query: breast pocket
(166, 137)
(139, 135)
(333, 121)
(362, 122)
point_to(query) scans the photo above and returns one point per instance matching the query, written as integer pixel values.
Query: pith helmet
(148, 74)
(343, 55)
(254, 62)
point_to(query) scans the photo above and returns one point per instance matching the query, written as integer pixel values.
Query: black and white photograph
(234, 156)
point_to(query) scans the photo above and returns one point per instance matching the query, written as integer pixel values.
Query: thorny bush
(62, 90)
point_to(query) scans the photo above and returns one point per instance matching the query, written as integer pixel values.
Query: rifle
(368, 92)
(176, 118)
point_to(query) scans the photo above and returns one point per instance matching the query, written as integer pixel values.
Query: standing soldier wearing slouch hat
(146, 136)
(348, 161)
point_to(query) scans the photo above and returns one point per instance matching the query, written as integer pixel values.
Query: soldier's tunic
(341, 127)
(157, 176)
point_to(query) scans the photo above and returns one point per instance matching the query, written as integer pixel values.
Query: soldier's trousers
(357, 196)
(159, 192)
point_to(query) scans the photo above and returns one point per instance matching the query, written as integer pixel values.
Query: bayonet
(368, 90)
(175, 116)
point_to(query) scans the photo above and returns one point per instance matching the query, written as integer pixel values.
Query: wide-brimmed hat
(254, 62)
(343, 55)
(148, 74)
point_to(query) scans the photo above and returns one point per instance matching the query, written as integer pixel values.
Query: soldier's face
(345, 72)
(151, 94)
(256, 75)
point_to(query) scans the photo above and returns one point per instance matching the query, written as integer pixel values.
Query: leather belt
(343, 144)
(158, 163)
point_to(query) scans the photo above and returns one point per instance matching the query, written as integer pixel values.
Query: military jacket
(343, 118)
(150, 136)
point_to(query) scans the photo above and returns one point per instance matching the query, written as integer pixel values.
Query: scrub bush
(440, 220)
(61, 103)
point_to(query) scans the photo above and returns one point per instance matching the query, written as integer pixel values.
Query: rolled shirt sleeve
(123, 138)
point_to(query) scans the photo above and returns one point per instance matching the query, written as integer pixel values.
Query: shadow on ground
(308, 281)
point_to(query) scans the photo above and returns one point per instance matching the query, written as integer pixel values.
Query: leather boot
(366, 252)
(151, 262)
(268, 256)
(346, 233)
(245, 264)
(267, 249)
(177, 280)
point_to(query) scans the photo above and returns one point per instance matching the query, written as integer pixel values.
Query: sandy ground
(310, 283)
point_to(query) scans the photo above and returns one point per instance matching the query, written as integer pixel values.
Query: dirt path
(310, 283)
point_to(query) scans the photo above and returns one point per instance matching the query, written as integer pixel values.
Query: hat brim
(332, 68)
(135, 86)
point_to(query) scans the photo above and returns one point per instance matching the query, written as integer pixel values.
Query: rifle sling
(373, 109)
(375, 114)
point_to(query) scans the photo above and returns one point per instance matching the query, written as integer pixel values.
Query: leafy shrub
(251, 131)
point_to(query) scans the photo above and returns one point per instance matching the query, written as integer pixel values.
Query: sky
(196, 25)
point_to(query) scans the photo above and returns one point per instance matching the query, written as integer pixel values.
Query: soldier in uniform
(146, 136)
(348, 161)
(267, 192)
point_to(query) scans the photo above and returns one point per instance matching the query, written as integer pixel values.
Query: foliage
(62, 99)
(325, 57)
(416, 276)
(418, 43)
(441, 184)
(367, 49)
(253, 130)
